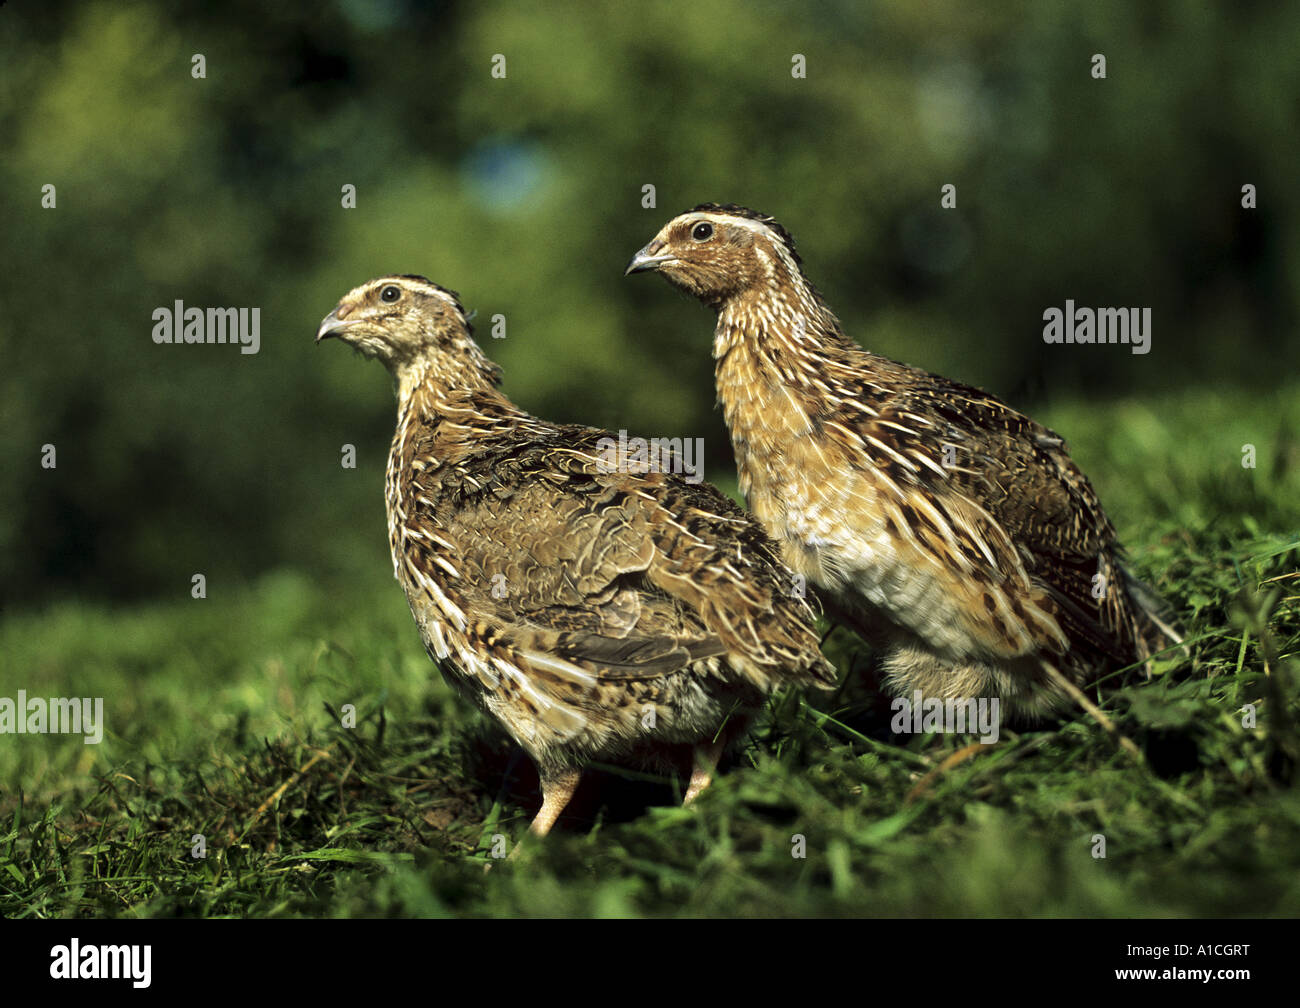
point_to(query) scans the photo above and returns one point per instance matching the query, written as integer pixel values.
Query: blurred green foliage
(525, 194)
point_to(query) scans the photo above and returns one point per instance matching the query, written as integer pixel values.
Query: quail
(596, 608)
(953, 533)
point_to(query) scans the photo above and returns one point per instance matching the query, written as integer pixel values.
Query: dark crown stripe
(447, 291)
(736, 210)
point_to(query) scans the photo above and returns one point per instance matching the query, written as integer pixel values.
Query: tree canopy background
(525, 195)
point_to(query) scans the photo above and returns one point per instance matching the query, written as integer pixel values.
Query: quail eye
(390, 294)
(702, 231)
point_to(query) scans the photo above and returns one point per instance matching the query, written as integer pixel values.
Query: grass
(227, 720)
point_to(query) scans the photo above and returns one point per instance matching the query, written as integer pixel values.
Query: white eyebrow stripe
(424, 287)
(758, 227)
(723, 218)
(444, 296)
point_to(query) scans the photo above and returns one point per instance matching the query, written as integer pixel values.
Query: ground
(227, 721)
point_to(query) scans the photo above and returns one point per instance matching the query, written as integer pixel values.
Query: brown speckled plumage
(595, 614)
(948, 528)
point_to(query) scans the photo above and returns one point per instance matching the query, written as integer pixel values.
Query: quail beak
(331, 325)
(651, 257)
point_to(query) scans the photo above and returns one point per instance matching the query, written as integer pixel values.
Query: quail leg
(706, 764)
(557, 789)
